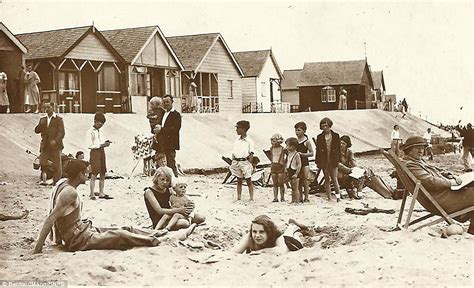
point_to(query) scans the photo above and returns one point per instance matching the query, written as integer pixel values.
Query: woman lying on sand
(264, 236)
(157, 201)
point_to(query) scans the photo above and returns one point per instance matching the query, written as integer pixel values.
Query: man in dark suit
(51, 128)
(169, 134)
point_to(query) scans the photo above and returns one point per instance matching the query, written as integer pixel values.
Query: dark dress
(328, 156)
(164, 201)
(301, 147)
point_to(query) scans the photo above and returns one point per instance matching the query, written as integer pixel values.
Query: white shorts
(241, 169)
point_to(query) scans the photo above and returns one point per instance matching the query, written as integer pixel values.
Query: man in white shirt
(242, 153)
(429, 148)
(96, 144)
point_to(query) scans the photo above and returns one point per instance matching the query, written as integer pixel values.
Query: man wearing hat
(242, 153)
(96, 144)
(437, 182)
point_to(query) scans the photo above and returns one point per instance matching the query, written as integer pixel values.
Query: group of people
(168, 206)
(167, 211)
(291, 163)
(26, 96)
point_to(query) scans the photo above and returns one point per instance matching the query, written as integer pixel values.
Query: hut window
(214, 85)
(172, 82)
(68, 82)
(328, 94)
(108, 78)
(231, 88)
(140, 82)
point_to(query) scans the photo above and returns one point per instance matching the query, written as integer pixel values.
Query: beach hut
(261, 82)
(379, 87)
(12, 56)
(79, 70)
(211, 80)
(289, 89)
(152, 67)
(321, 84)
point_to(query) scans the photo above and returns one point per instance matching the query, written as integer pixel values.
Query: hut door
(89, 88)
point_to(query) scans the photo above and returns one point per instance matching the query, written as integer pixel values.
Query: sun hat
(413, 141)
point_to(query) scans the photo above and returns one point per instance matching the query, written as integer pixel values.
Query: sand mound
(204, 138)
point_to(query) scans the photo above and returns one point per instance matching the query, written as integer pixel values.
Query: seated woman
(157, 201)
(264, 236)
(345, 168)
(438, 183)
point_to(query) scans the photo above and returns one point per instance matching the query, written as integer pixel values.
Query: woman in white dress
(32, 95)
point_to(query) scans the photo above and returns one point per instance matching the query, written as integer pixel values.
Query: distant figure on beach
(468, 145)
(328, 156)
(52, 132)
(264, 236)
(429, 148)
(242, 154)
(401, 108)
(4, 101)
(438, 182)
(66, 227)
(405, 105)
(278, 158)
(32, 94)
(157, 201)
(395, 140)
(345, 169)
(342, 100)
(177, 201)
(96, 144)
(305, 150)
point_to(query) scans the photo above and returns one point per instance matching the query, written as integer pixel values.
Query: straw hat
(413, 141)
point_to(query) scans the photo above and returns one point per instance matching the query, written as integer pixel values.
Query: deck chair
(257, 175)
(413, 186)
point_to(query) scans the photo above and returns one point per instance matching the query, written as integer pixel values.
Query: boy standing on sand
(242, 153)
(96, 143)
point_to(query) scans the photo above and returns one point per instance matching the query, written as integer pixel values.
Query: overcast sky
(424, 48)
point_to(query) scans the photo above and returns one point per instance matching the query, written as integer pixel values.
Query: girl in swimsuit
(293, 168)
(278, 158)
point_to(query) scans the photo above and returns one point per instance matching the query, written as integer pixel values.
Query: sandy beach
(345, 250)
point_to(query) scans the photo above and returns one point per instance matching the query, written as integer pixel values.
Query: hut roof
(51, 44)
(130, 42)
(290, 79)
(379, 83)
(193, 49)
(333, 73)
(12, 37)
(252, 62)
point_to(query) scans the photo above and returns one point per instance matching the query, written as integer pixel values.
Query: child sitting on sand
(177, 201)
(277, 170)
(293, 168)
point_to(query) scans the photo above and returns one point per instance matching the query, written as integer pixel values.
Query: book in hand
(466, 178)
(357, 172)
